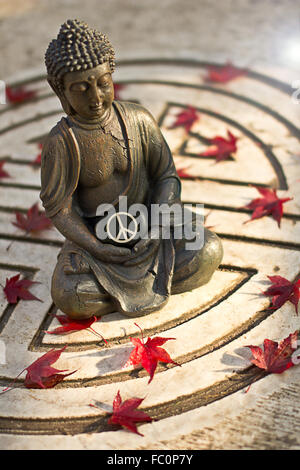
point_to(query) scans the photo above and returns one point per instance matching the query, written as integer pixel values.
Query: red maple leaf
(33, 221)
(18, 95)
(283, 291)
(69, 325)
(269, 204)
(205, 220)
(275, 358)
(223, 148)
(125, 413)
(3, 173)
(224, 73)
(186, 118)
(181, 172)
(15, 289)
(149, 354)
(117, 88)
(38, 158)
(40, 374)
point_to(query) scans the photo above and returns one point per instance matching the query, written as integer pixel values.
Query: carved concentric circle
(211, 323)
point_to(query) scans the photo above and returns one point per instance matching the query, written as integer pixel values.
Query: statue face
(90, 92)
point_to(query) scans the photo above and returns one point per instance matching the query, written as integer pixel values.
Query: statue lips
(96, 109)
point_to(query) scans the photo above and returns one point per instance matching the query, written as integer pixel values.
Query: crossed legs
(79, 295)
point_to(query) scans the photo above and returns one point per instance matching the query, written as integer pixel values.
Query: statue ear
(60, 94)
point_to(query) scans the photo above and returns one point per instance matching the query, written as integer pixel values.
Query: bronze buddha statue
(104, 150)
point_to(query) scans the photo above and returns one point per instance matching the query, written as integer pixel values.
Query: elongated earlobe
(64, 102)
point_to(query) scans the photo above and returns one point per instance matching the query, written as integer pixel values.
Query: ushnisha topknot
(77, 47)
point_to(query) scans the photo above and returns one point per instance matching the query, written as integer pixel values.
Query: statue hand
(113, 254)
(154, 235)
(142, 250)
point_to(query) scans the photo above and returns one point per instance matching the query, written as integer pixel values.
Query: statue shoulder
(54, 140)
(137, 111)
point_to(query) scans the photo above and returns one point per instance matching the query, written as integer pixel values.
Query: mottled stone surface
(202, 404)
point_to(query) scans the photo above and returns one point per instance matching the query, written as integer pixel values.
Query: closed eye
(104, 84)
(105, 81)
(79, 86)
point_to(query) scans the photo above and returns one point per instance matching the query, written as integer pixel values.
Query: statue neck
(104, 122)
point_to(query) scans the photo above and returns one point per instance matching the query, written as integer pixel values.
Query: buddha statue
(104, 150)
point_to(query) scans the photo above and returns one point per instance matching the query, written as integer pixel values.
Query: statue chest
(103, 157)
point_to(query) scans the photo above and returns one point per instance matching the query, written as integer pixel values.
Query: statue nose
(96, 96)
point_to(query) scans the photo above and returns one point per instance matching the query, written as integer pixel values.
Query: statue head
(79, 64)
